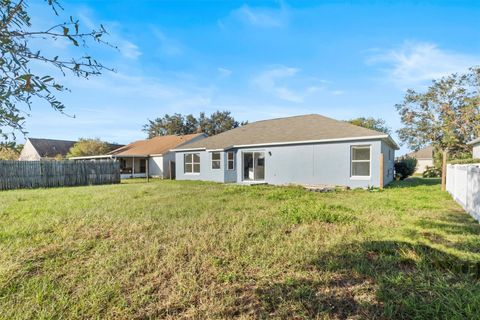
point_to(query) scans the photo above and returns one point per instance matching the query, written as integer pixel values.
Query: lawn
(172, 249)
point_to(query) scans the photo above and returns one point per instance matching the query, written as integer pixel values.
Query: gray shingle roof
(425, 153)
(476, 141)
(50, 148)
(312, 127)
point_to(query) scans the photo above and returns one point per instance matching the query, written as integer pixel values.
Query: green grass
(171, 249)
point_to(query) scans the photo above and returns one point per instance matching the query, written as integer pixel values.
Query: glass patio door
(253, 166)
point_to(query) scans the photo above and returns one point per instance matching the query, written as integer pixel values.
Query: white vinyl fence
(463, 183)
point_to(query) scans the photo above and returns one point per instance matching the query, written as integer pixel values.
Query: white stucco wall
(422, 165)
(155, 166)
(476, 151)
(321, 163)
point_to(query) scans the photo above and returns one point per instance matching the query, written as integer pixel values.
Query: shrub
(405, 167)
(432, 172)
(464, 161)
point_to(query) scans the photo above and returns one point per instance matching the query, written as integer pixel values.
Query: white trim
(386, 136)
(219, 160)
(362, 146)
(253, 158)
(189, 149)
(233, 160)
(474, 141)
(193, 163)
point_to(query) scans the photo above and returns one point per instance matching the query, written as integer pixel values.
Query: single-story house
(36, 149)
(151, 157)
(307, 149)
(424, 159)
(476, 148)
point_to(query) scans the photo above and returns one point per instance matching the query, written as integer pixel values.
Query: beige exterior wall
(29, 153)
(155, 166)
(423, 164)
(476, 151)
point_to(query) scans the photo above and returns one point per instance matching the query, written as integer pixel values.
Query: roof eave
(384, 136)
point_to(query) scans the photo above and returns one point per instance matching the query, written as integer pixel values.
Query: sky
(258, 59)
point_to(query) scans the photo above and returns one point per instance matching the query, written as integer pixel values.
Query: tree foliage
(88, 147)
(371, 123)
(19, 84)
(446, 115)
(10, 151)
(405, 167)
(178, 124)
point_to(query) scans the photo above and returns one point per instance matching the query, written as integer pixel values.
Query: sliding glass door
(253, 166)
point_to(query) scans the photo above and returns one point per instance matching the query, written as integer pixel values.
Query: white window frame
(219, 160)
(193, 163)
(359, 161)
(232, 161)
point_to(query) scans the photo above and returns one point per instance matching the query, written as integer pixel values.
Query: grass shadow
(380, 279)
(415, 182)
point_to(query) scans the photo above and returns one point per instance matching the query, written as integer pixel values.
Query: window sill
(192, 173)
(360, 178)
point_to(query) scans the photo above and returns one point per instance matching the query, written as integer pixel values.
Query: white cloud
(270, 82)
(417, 63)
(129, 50)
(167, 45)
(224, 72)
(258, 16)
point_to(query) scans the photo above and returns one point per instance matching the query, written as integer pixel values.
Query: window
(360, 161)
(216, 160)
(231, 161)
(192, 163)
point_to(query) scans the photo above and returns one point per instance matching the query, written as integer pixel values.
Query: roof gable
(50, 148)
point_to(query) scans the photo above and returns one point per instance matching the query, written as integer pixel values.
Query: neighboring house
(150, 157)
(49, 149)
(43, 149)
(424, 159)
(476, 148)
(308, 149)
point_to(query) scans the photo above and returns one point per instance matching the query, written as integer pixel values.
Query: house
(151, 157)
(307, 149)
(40, 149)
(476, 148)
(424, 159)
(48, 149)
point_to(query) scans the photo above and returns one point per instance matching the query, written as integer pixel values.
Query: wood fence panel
(47, 174)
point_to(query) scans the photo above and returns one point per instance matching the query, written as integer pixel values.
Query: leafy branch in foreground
(18, 83)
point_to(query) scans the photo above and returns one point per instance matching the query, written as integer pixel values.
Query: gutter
(386, 137)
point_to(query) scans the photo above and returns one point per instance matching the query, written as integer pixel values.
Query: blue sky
(259, 59)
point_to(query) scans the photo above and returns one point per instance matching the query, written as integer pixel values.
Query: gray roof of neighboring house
(305, 128)
(476, 141)
(425, 153)
(50, 148)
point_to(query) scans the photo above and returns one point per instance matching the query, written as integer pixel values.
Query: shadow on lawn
(415, 182)
(380, 279)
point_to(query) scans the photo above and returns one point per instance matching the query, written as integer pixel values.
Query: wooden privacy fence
(46, 174)
(463, 183)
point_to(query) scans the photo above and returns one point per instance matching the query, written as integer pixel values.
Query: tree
(10, 151)
(19, 84)
(177, 124)
(371, 123)
(88, 147)
(446, 115)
